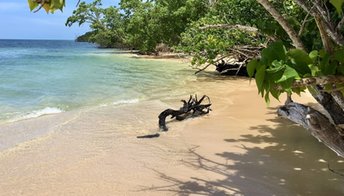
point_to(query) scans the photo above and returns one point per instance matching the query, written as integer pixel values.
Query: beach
(240, 148)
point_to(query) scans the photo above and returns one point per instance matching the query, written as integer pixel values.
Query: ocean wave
(128, 101)
(38, 113)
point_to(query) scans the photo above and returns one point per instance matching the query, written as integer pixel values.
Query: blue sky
(17, 22)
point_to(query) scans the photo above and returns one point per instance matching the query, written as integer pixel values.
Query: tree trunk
(330, 30)
(283, 22)
(330, 104)
(326, 41)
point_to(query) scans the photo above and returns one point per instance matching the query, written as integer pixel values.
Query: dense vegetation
(299, 44)
(137, 24)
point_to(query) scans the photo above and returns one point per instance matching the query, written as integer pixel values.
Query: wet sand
(241, 148)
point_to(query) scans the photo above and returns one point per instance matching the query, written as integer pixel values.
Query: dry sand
(241, 148)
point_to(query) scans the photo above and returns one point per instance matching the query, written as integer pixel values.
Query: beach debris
(232, 69)
(191, 108)
(148, 136)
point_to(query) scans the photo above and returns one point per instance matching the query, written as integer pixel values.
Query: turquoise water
(40, 77)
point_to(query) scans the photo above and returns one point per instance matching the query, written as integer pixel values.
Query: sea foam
(128, 101)
(38, 113)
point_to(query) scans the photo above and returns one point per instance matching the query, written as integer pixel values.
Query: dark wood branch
(209, 64)
(192, 108)
(203, 68)
(329, 103)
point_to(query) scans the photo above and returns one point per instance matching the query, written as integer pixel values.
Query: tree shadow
(292, 163)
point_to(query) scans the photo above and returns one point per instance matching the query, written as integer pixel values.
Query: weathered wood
(228, 26)
(149, 136)
(191, 108)
(330, 104)
(317, 123)
(236, 69)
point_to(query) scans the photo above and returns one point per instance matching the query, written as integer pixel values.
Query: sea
(40, 77)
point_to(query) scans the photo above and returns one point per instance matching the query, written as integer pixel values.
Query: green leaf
(32, 4)
(326, 66)
(339, 55)
(298, 90)
(289, 73)
(287, 85)
(267, 98)
(251, 67)
(275, 51)
(338, 5)
(314, 54)
(300, 61)
(260, 75)
(275, 93)
(314, 70)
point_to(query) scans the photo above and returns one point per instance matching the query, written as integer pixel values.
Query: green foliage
(139, 24)
(106, 23)
(338, 4)
(49, 6)
(148, 23)
(207, 44)
(277, 69)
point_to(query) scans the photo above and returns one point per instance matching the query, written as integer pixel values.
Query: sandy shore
(241, 148)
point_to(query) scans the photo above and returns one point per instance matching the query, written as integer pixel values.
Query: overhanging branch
(228, 26)
(321, 80)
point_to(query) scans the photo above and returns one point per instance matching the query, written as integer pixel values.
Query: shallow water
(43, 77)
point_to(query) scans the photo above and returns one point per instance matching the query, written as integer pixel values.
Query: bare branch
(228, 26)
(320, 12)
(205, 67)
(305, 20)
(321, 80)
(340, 25)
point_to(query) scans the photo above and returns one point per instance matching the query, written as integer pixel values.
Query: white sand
(241, 148)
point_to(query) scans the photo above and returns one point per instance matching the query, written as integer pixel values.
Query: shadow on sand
(294, 163)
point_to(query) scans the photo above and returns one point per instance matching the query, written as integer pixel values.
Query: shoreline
(241, 148)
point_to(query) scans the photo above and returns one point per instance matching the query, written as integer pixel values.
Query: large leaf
(276, 51)
(327, 66)
(338, 5)
(260, 75)
(300, 61)
(314, 54)
(339, 55)
(32, 4)
(251, 67)
(289, 73)
(48, 6)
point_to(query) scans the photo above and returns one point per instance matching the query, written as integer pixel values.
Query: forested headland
(290, 45)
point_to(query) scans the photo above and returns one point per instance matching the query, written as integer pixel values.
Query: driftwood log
(317, 123)
(232, 69)
(191, 108)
